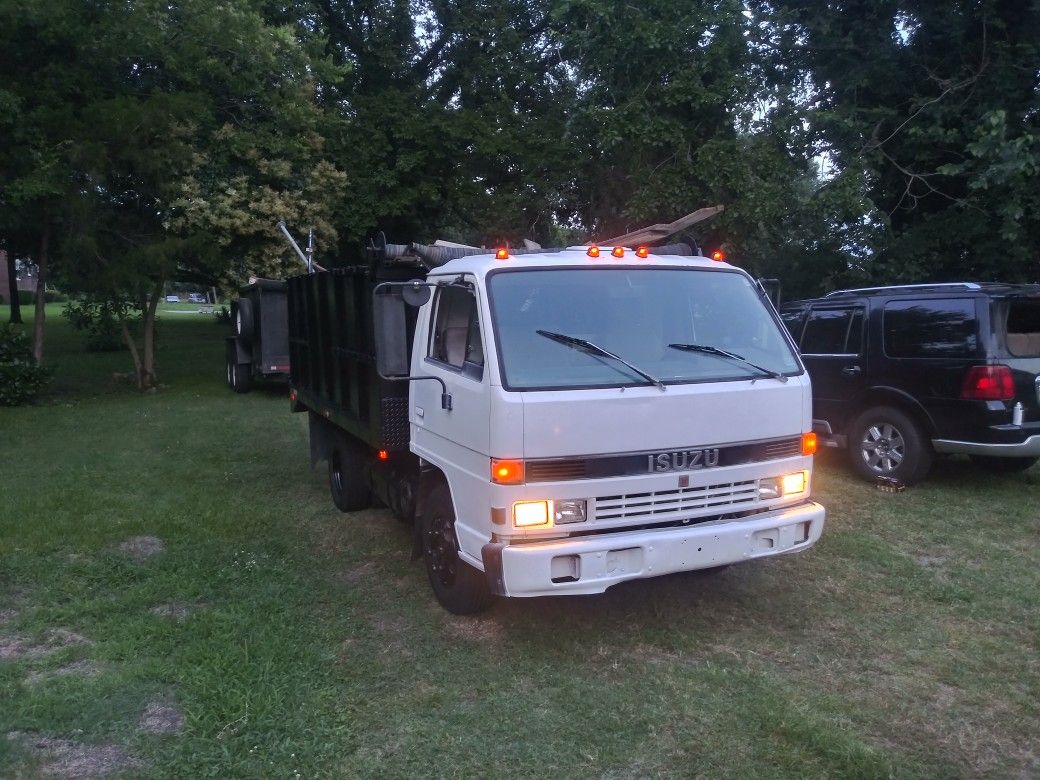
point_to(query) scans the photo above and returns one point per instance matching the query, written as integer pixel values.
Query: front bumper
(1029, 448)
(591, 564)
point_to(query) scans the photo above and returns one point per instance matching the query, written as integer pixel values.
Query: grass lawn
(297, 641)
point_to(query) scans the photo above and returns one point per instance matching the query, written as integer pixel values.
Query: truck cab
(578, 418)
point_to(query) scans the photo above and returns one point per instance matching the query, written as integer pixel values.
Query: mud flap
(491, 553)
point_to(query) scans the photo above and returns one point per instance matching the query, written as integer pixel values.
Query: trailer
(557, 421)
(258, 350)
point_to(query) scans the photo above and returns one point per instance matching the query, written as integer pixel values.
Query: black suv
(902, 373)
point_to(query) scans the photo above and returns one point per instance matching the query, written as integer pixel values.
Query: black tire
(347, 482)
(240, 376)
(886, 442)
(244, 319)
(461, 589)
(1003, 465)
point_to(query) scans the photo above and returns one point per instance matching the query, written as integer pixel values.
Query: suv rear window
(1023, 328)
(931, 328)
(833, 332)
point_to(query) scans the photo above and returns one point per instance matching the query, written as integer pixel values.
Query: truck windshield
(634, 314)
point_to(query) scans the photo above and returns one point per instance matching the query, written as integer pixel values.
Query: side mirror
(416, 293)
(772, 289)
(391, 336)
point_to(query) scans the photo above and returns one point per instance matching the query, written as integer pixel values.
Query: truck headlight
(571, 510)
(531, 514)
(527, 514)
(787, 485)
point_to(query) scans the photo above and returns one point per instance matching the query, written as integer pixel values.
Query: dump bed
(332, 353)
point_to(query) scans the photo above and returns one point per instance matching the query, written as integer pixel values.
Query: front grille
(669, 502)
(604, 466)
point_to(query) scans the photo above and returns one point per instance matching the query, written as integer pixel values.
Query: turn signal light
(988, 383)
(642, 251)
(809, 443)
(507, 472)
(502, 254)
(618, 251)
(718, 255)
(593, 251)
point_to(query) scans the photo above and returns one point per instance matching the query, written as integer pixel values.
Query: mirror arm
(445, 395)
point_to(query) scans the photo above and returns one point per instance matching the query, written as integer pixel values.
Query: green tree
(172, 137)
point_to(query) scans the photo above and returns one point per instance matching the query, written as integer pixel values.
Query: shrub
(99, 322)
(20, 378)
(223, 316)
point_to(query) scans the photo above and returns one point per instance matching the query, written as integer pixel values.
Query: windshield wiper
(595, 349)
(708, 350)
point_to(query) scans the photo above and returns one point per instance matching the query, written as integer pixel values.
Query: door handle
(851, 370)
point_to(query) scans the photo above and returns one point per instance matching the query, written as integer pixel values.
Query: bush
(223, 316)
(99, 321)
(20, 378)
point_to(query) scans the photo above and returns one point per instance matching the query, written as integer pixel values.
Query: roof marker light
(718, 255)
(502, 254)
(593, 251)
(642, 251)
(618, 251)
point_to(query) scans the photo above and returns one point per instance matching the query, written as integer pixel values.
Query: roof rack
(909, 288)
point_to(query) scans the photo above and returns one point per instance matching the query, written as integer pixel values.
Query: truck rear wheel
(886, 442)
(460, 588)
(240, 376)
(244, 319)
(350, 490)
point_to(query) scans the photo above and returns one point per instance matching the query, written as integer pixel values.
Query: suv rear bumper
(591, 564)
(1029, 448)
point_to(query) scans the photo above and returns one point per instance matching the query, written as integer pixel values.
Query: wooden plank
(654, 233)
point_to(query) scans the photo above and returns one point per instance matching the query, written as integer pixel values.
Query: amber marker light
(507, 472)
(642, 251)
(618, 251)
(809, 443)
(718, 255)
(384, 455)
(502, 254)
(593, 251)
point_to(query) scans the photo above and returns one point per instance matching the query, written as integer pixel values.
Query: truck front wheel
(460, 588)
(350, 491)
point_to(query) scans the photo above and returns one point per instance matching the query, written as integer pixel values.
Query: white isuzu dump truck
(557, 421)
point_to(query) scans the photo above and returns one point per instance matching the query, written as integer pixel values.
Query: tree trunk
(12, 281)
(149, 376)
(41, 300)
(134, 354)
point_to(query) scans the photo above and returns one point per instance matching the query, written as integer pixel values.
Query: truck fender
(429, 477)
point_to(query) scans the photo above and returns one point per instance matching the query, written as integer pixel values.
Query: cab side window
(833, 332)
(456, 332)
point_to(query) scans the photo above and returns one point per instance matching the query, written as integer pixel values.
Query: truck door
(454, 352)
(832, 349)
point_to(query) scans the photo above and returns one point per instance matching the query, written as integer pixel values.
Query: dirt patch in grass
(161, 717)
(141, 548)
(66, 758)
(473, 629)
(15, 648)
(174, 610)
(7, 616)
(81, 668)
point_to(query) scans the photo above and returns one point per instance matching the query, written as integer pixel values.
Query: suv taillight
(988, 383)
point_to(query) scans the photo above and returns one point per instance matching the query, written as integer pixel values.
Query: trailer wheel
(350, 491)
(240, 376)
(460, 588)
(244, 319)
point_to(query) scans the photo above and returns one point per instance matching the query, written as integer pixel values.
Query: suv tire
(886, 442)
(347, 484)
(460, 588)
(1003, 465)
